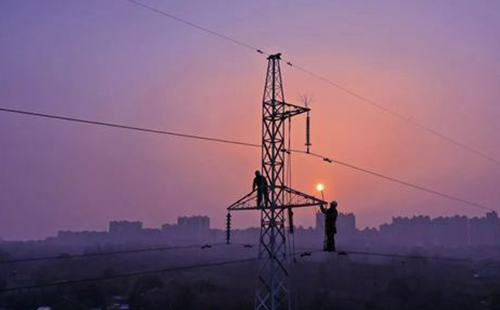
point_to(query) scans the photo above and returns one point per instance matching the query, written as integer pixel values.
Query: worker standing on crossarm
(331, 215)
(260, 183)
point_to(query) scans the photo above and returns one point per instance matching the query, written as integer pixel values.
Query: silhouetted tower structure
(273, 286)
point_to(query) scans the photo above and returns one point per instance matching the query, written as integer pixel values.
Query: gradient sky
(436, 61)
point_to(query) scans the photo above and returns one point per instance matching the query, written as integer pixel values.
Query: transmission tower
(273, 283)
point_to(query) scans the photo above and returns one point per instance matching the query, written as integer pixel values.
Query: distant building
(169, 229)
(450, 231)
(456, 231)
(125, 231)
(415, 231)
(196, 226)
(485, 230)
(189, 229)
(125, 228)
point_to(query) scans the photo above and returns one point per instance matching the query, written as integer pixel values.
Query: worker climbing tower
(273, 283)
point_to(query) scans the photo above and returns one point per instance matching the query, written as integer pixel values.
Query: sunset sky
(437, 62)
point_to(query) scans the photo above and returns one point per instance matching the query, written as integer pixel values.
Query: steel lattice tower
(273, 287)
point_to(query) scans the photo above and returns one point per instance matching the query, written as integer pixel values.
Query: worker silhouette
(331, 215)
(260, 183)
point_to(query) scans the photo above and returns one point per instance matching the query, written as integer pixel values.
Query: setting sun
(320, 187)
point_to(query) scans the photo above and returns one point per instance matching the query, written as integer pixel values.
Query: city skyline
(347, 225)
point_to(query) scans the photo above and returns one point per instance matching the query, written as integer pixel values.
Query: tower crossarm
(299, 199)
(296, 199)
(247, 202)
(289, 110)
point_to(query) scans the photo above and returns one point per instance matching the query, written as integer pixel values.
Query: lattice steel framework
(273, 287)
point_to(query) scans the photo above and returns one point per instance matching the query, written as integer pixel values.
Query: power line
(233, 142)
(130, 274)
(392, 255)
(156, 131)
(199, 246)
(399, 115)
(196, 26)
(194, 246)
(301, 254)
(327, 81)
(135, 274)
(405, 183)
(100, 254)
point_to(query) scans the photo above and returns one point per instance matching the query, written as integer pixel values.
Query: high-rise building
(196, 226)
(485, 230)
(125, 228)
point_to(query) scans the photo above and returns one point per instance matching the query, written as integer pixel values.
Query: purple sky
(436, 61)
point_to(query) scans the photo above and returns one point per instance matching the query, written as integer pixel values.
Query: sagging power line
(399, 116)
(196, 26)
(329, 82)
(406, 256)
(301, 254)
(135, 128)
(134, 274)
(102, 254)
(247, 144)
(341, 252)
(128, 275)
(66, 257)
(395, 180)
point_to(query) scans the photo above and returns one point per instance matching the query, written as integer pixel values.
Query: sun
(320, 187)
